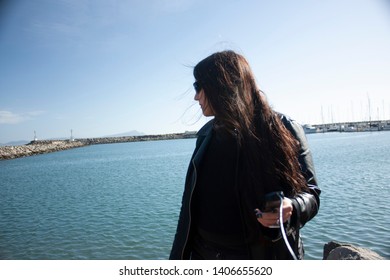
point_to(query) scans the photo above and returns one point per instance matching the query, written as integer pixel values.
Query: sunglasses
(197, 87)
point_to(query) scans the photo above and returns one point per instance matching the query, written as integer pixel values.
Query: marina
(361, 126)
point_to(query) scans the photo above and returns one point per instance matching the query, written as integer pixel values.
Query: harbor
(36, 146)
(360, 126)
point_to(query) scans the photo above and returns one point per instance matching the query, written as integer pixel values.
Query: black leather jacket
(305, 205)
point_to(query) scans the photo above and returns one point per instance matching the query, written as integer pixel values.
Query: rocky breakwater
(38, 147)
(48, 146)
(124, 139)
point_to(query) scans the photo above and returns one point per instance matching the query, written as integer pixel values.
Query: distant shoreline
(49, 146)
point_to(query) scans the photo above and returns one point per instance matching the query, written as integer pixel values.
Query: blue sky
(107, 67)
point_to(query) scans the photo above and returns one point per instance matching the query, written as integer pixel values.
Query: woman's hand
(271, 218)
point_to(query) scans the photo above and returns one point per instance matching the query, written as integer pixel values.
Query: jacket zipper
(189, 211)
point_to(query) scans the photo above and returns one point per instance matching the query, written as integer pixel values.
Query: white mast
(71, 135)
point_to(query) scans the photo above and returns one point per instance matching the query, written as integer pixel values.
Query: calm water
(121, 201)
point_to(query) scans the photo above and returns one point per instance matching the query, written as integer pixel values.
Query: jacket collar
(204, 136)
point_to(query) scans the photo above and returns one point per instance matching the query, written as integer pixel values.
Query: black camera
(271, 201)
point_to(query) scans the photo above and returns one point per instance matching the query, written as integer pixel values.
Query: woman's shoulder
(206, 128)
(285, 118)
(292, 125)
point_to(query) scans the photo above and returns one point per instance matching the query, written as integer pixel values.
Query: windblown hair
(241, 108)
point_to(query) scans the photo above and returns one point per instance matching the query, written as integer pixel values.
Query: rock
(344, 251)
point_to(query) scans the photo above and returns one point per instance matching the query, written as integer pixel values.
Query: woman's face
(204, 104)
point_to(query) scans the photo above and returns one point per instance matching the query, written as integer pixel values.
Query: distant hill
(129, 133)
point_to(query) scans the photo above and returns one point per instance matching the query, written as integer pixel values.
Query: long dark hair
(242, 109)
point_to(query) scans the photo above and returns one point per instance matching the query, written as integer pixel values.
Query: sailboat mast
(369, 109)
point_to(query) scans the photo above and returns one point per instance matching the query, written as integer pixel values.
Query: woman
(245, 153)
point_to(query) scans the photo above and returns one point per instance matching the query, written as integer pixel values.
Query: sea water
(121, 201)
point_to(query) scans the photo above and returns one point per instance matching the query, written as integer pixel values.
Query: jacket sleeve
(306, 204)
(179, 249)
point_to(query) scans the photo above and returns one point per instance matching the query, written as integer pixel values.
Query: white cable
(283, 230)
